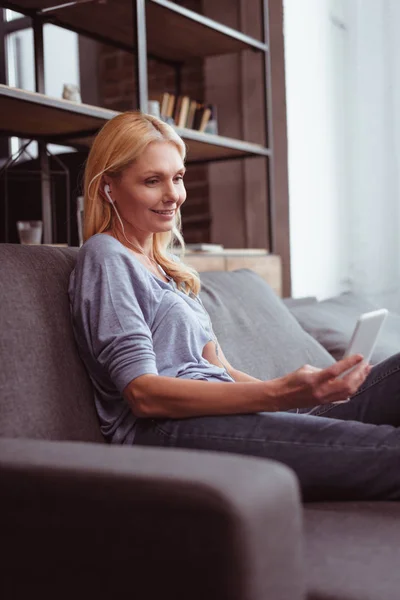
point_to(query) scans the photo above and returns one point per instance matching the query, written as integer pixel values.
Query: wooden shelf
(32, 115)
(173, 33)
(178, 33)
(206, 147)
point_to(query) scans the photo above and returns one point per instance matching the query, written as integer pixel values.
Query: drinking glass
(30, 232)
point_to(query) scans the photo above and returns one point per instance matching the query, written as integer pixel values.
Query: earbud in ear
(107, 191)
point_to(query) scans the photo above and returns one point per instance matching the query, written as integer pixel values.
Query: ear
(106, 180)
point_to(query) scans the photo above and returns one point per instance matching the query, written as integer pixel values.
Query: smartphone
(365, 335)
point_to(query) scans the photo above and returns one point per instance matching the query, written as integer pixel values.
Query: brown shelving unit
(37, 116)
(146, 28)
(53, 120)
(173, 33)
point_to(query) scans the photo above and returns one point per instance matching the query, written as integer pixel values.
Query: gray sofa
(82, 519)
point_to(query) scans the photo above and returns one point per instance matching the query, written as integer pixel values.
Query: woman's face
(150, 191)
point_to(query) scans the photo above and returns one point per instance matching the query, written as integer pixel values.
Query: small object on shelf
(153, 108)
(71, 92)
(212, 125)
(30, 232)
(205, 247)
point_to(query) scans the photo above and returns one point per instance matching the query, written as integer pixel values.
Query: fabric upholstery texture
(119, 522)
(332, 322)
(44, 388)
(215, 526)
(256, 331)
(389, 299)
(353, 550)
(304, 301)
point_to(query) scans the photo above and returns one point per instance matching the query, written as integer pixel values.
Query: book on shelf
(183, 111)
(170, 107)
(197, 116)
(246, 251)
(201, 117)
(177, 109)
(164, 103)
(204, 247)
(220, 249)
(205, 117)
(191, 113)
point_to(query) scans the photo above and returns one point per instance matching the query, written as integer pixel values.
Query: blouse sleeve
(111, 314)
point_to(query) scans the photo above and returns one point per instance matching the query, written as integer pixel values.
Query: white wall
(373, 129)
(314, 54)
(343, 90)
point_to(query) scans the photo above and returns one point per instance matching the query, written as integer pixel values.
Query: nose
(171, 193)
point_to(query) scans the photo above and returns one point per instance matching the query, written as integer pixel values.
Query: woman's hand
(309, 386)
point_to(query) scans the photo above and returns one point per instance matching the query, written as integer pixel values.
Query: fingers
(339, 367)
(340, 389)
(357, 376)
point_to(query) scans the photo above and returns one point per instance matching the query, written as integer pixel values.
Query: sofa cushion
(332, 322)
(256, 331)
(352, 550)
(389, 299)
(303, 301)
(44, 389)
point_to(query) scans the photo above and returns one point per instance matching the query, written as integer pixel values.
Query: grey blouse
(128, 322)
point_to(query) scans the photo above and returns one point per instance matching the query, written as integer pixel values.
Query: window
(61, 63)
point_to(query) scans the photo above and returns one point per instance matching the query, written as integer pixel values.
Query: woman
(159, 374)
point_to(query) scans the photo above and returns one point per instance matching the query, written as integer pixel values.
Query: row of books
(220, 249)
(185, 112)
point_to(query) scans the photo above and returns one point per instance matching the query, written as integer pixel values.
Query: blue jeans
(339, 452)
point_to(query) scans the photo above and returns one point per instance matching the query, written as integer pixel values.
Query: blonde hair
(117, 145)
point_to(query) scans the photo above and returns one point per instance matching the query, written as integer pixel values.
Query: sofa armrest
(97, 521)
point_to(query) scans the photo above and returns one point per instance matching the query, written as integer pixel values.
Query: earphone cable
(133, 245)
(197, 298)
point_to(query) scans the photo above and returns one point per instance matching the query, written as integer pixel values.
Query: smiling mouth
(163, 212)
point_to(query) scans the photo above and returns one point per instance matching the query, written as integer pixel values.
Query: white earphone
(107, 191)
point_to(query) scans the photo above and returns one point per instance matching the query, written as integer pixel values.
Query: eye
(179, 178)
(151, 181)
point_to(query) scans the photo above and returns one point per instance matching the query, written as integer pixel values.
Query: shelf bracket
(269, 129)
(139, 28)
(43, 158)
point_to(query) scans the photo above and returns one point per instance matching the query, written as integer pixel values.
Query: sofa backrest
(256, 331)
(45, 391)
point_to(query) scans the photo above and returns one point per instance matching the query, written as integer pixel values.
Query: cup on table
(30, 232)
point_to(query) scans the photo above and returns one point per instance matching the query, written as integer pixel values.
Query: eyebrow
(161, 173)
